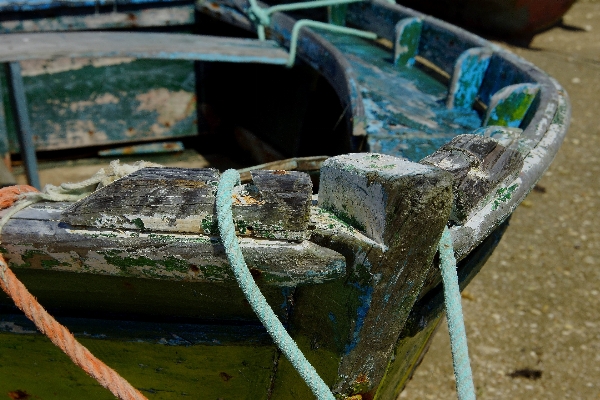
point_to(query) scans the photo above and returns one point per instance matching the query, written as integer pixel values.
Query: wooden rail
(28, 46)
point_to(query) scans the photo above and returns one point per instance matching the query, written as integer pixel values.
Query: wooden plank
(306, 164)
(91, 18)
(501, 72)
(480, 166)
(35, 238)
(441, 43)
(6, 177)
(406, 43)
(149, 45)
(41, 5)
(469, 71)
(510, 105)
(164, 333)
(275, 206)
(148, 148)
(89, 102)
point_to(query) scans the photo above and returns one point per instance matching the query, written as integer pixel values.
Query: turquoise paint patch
(468, 76)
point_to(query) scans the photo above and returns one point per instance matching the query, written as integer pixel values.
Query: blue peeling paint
(405, 108)
(361, 314)
(468, 75)
(286, 292)
(332, 318)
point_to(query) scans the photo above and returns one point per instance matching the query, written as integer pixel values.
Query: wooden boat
(514, 19)
(136, 271)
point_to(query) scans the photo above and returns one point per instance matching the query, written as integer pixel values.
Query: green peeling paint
(51, 263)
(346, 219)
(209, 226)
(503, 195)
(512, 105)
(124, 263)
(30, 363)
(90, 105)
(408, 37)
(216, 271)
(138, 224)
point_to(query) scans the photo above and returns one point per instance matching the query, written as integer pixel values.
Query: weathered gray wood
(402, 207)
(275, 206)
(31, 46)
(479, 165)
(87, 18)
(297, 163)
(504, 135)
(35, 238)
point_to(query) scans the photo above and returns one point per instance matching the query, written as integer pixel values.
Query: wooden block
(362, 190)
(509, 105)
(467, 77)
(479, 165)
(406, 43)
(275, 206)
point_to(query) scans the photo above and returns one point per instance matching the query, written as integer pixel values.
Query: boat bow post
(402, 207)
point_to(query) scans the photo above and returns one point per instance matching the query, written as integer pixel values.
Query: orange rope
(58, 334)
(10, 194)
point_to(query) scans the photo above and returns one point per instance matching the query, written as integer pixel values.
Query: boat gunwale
(551, 99)
(541, 135)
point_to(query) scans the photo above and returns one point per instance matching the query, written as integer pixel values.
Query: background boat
(512, 19)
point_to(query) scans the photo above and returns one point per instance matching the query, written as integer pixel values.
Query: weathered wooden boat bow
(369, 246)
(457, 131)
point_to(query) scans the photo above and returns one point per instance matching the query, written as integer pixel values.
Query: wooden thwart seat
(147, 45)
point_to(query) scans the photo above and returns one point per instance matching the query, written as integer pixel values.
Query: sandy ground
(533, 313)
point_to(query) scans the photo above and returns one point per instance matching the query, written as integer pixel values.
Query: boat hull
(369, 313)
(515, 18)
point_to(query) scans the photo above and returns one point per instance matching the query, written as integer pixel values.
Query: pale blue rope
(456, 325)
(257, 301)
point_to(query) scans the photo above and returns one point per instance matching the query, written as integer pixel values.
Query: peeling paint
(63, 64)
(148, 17)
(106, 98)
(171, 106)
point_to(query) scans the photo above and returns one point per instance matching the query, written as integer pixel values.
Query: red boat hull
(502, 17)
